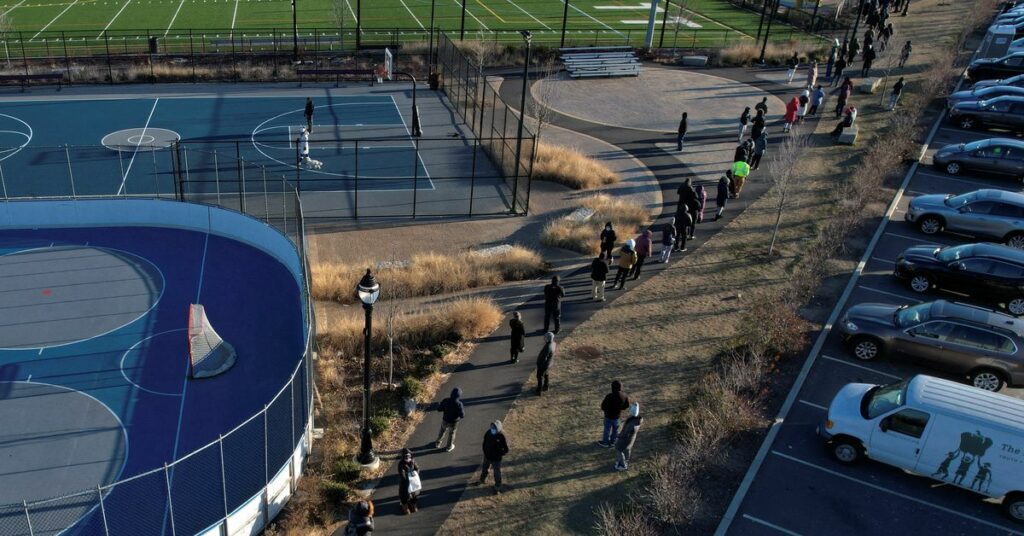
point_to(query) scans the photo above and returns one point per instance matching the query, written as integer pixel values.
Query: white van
(943, 430)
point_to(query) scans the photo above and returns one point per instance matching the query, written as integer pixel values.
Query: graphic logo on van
(970, 452)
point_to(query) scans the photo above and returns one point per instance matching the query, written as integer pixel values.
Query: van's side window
(909, 422)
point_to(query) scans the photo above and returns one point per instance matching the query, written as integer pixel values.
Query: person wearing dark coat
(689, 201)
(760, 146)
(762, 106)
(627, 438)
(683, 222)
(851, 54)
(308, 112)
(744, 121)
(405, 465)
(668, 239)
(598, 278)
(612, 406)
(681, 133)
(869, 38)
(608, 240)
(553, 294)
(544, 360)
(757, 125)
(495, 447)
(869, 58)
(518, 336)
(741, 154)
(452, 411)
(840, 67)
(360, 519)
(722, 195)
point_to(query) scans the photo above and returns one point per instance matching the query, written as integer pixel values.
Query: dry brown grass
(428, 274)
(568, 166)
(776, 53)
(626, 216)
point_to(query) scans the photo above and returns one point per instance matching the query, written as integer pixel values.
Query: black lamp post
(295, 34)
(527, 37)
(565, 21)
(368, 291)
(430, 47)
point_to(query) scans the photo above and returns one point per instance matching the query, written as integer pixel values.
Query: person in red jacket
(644, 244)
(791, 109)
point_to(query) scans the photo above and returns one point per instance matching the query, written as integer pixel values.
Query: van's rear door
(896, 438)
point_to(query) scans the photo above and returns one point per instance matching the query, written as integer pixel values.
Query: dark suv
(1001, 112)
(981, 345)
(989, 272)
(985, 68)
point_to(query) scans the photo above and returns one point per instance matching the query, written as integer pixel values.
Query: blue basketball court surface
(94, 365)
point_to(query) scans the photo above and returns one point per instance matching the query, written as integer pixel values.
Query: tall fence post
(472, 176)
(241, 177)
(24, 55)
(192, 55)
(103, 511)
(3, 182)
(170, 501)
(664, 22)
(224, 483)
(178, 177)
(110, 69)
(28, 518)
(355, 200)
(266, 469)
(415, 175)
(67, 60)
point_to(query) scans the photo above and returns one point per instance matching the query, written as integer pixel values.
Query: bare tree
(392, 311)
(678, 21)
(539, 106)
(6, 29)
(781, 168)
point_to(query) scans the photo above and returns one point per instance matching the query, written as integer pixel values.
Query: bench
(849, 135)
(600, 62)
(26, 79)
(357, 74)
(869, 85)
(695, 61)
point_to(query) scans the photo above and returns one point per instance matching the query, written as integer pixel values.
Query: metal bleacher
(600, 62)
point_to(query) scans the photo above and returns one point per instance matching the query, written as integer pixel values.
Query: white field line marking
(813, 405)
(480, 22)
(587, 15)
(638, 7)
(15, 6)
(118, 14)
(893, 294)
(528, 14)
(411, 13)
(862, 367)
(353, 12)
(770, 525)
(234, 17)
(71, 5)
(132, 161)
(174, 18)
(895, 493)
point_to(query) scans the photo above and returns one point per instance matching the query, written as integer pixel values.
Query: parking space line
(887, 293)
(920, 241)
(770, 525)
(894, 493)
(813, 405)
(973, 183)
(862, 367)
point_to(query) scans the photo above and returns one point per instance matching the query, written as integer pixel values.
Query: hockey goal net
(209, 355)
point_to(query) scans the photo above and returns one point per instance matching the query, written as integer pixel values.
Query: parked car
(934, 428)
(1001, 112)
(992, 273)
(1003, 156)
(1016, 81)
(985, 68)
(984, 346)
(994, 214)
(983, 93)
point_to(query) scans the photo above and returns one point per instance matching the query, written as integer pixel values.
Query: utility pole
(295, 34)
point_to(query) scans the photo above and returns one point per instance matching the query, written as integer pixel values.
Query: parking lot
(799, 488)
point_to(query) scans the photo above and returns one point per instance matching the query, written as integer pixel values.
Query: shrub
(771, 325)
(582, 236)
(570, 167)
(381, 420)
(776, 53)
(440, 351)
(428, 274)
(346, 470)
(426, 365)
(334, 492)
(410, 388)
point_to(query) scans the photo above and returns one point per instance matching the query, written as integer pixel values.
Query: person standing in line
(793, 64)
(905, 53)
(553, 294)
(518, 336)
(757, 125)
(627, 259)
(360, 519)
(495, 448)
(851, 54)
(805, 103)
(722, 196)
(840, 67)
(702, 201)
(627, 438)
(816, 99)
(843, 94)
(668, 239)
(869, 38)
(644, 245)
(744, 121)
(406, 496)
(608, 240)
(906, 7)
(742, 153)
(831, 60)
(452, 412)
(791, 113)
(760, 146)
(612, 406)
(308, 112)
(762, 106)
(740, 170)
(598, 278)
(688, 201)
(544, 360)
(812, 74)
(681, 133)
(887, 35)
(683, 222)
(869, 58)
(894, 97)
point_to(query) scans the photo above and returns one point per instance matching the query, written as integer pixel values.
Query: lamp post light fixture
(368, 291)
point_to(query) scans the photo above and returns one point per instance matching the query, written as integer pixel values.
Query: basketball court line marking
(71, 5)
(528, 14)
(136, 345)
(409, 132)
(28, 137)
(113, 19)
(136, 152)
(175, 17)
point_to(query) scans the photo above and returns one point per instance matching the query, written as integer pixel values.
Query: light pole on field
(295, 33)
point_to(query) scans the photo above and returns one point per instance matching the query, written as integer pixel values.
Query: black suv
(986, 68)
(988, 272)
(1000, 112)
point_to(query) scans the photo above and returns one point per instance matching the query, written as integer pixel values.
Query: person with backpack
(544, 359)
(668, 239)
(409, 484)
(843, 93)
(612, 406)
(744, 121)
(553, 294)
(644, 245)
(517, 337)
(722, 195)
(760, 146)
(608, 240)
(452, 412)
(495, 448)
(762, 106)
(627, 259)
(360, 519)
(894, 97)
(598, 278)
(681, 133)
(627, 437)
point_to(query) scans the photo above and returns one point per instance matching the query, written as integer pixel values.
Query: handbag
(414, 482)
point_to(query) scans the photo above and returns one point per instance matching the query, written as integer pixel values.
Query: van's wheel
(1013, 505)
(966, 122)
(920, 283)
(987, 379)
(847, 451)
(1015, 240)
(1015, 306)
(866, 348)
(953, 168)
(929, 225)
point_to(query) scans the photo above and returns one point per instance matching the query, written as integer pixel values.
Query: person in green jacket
(740, 170)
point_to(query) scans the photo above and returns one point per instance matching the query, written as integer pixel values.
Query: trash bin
(154, 45)
(436, 81)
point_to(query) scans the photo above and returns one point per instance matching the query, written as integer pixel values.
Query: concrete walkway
(491, 385)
